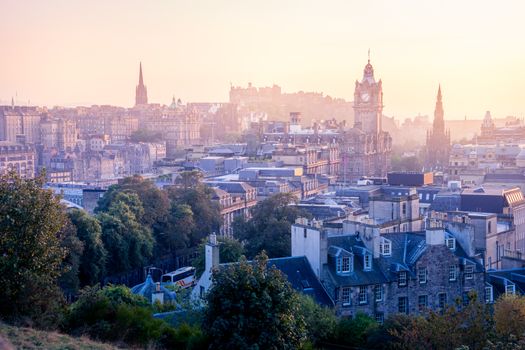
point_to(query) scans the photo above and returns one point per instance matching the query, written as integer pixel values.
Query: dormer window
(367, 262)
(451, 243)
(510, 289)
(385, 247)
(344, 264)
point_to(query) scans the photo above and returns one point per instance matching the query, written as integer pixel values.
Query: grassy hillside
(27, 338)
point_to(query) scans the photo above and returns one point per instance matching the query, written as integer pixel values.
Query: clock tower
(366, 148)
(368, 102)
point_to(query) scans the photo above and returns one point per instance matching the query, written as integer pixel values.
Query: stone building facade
(18, 158)
(384, 274)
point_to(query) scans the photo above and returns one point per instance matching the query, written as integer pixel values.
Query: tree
(354, 331)
(93, 259)
(230, 250)
(31, 254)
(509, 317)
(69, 281)
(189, 179)
(129, 243)
(179, 229)
(251, 306)
(154, 202)
(321, 321)
(269, 227)
(455, 326)
(206, 213)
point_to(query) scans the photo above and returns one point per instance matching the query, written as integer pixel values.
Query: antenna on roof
(368, 55)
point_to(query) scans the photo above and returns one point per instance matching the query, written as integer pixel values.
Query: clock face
(365, 96)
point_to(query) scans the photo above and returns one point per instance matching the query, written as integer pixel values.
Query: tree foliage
(509, 317)
(94, 256)
(128, 242)
(251, 306)
(230, 250)
(31, 252)
(154, 202)
(74, 248)
(269, 227)
(206, 213)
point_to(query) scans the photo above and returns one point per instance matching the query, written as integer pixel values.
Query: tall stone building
(366, 147)
(141, 93)
(438, 139)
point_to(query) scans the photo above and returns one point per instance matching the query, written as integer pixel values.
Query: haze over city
(83, 53)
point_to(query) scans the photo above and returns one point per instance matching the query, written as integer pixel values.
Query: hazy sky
(87, 52)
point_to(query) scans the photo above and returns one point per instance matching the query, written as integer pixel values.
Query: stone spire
(439, 121)
(141, 93)
(141, 81)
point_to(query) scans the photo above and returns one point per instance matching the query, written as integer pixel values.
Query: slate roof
(299, 273)
(499, 279)
(406, 250)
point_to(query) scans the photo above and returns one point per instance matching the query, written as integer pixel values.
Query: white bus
(184, 277)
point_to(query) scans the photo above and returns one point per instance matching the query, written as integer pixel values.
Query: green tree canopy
(69, 281)
(128, 242)
(230, 250)
(154, 202)
(269, 227)
(31, 254)
(93, 259)
(206, 213)
(251, 306)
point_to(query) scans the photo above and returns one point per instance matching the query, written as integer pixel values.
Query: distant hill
(12, 338)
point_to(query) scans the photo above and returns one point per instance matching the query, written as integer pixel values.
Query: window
(339, 265)
(346, 264)
(402, 278)
(422, 275)
(451, 243)
(402, 305)
(469, 272)
(378, 292)
(380, 317)
(488, 295)
(404, 209)
(442, 300)
(305, 233)
(452, 273)
(385, 247)
(510, 289)
(422, 302)
(345, 296)
(367, 261)
(363, 296)
(490, 227)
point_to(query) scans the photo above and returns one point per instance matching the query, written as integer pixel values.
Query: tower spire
(439, 122)
(141, 82)
(368, 55)
(141, 93)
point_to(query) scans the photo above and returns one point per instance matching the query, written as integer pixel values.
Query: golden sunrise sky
(87, 52)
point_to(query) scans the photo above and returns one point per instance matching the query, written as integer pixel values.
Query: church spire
(141, 93)
(439, 121)
(141, 81)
